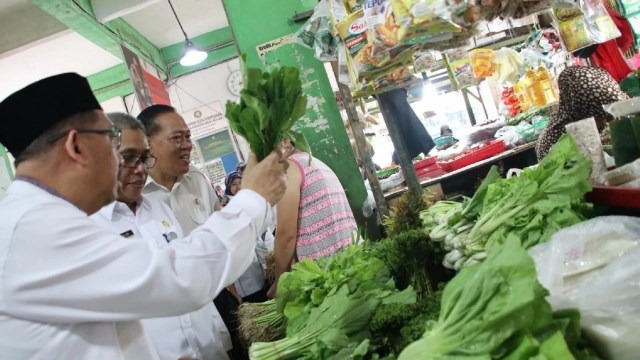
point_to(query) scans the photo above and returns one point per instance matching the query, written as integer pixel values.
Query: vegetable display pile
(497, 310)
(270, 104)
(327, 306)
(530, 207)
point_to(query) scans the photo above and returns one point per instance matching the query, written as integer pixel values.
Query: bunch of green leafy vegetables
(536, 204)
(309, 282)
(497, 310)
(410, 257)
(270, 104)
(328, 304)
(394, 326)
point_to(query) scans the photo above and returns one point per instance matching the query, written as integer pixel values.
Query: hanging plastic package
(317, 33)
(580, 264)
(572, 26)
(482, 63)
(600, 26)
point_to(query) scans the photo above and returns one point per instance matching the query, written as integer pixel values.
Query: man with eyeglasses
(190, 336)
(188, 192)
(72, 289)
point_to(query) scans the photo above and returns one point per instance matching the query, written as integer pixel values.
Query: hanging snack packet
(572, 26)
(482, 63)
(353, 6)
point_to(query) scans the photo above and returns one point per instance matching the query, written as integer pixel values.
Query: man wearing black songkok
(74, 290)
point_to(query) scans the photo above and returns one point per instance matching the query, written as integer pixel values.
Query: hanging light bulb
(192, 55)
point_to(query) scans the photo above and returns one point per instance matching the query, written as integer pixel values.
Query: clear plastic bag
(317, 34)
(510, 136)
(593, 267)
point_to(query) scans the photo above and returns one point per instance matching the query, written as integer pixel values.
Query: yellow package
(482, 63)
(424, 21)
(353, 5)
(571, 26)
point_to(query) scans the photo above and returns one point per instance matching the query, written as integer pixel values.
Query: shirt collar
(42, 186)
(151, 182)
(117, 206)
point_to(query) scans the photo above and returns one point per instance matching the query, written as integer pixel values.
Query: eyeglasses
(131, 160)
(115, 135)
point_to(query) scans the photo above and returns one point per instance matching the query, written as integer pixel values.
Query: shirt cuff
(255, 205)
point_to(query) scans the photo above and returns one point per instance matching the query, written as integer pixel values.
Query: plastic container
(424, 163)
(382, 174)
(443, 140)
(474, 155)
(430, 172)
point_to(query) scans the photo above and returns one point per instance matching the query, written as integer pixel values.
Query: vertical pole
(361, 143)
(406, 162)
(467, 103)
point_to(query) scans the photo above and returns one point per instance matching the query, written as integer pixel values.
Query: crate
(532, 132)
(474, 155)
(383, 174)
(430, 172)
(425, 163)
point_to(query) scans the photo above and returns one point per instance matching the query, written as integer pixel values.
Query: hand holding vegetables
(267, 177)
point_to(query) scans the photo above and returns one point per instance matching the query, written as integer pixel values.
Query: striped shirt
(325, 220)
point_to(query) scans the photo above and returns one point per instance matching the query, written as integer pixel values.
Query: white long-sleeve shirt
(197, 334)
(70, 289)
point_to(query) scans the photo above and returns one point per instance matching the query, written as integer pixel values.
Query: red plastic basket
(430, 173)
(425, 163)
(615, 197)
(474, 155)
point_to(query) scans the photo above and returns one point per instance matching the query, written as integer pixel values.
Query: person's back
(325, 220)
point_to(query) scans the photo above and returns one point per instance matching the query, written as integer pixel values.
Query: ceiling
(37, 40)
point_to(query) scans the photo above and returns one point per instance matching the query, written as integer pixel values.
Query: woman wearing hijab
(583, 91)
(252, 286)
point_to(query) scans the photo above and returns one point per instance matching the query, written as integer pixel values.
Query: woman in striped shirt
(314, 217)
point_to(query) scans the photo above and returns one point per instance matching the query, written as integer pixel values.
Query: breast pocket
(199, 211)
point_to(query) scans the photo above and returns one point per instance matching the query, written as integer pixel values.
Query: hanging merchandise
(424, 61)
(460, 68)
(634, 21)
(482, 63)
(507, 63)
(317, 34)
(600, 26)
(353, 6)
(572, 26)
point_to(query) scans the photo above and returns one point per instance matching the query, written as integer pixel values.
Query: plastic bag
(510, 136)
(572, 26)
(600, 25)
(317, 33)
(593, 267)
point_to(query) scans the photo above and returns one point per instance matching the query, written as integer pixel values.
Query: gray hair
(42, 143)
(125, 121)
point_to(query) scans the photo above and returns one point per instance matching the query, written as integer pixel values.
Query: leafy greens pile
(529, 208)
(328, 303)
(497, 310)
(270, 104)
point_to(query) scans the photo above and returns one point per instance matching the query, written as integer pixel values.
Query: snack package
(572, 26)
(425, 20)
(362, 44)
(424, 61)
(482, 63)
(460, 69)
(353, 6)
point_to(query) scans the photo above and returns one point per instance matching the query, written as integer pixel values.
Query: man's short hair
(125, 121)
(149, 115)
(42, 144)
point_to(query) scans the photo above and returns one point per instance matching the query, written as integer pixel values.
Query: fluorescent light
(192, 55)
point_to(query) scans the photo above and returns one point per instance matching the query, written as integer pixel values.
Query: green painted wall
(255, 22)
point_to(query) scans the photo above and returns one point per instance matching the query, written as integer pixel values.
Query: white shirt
(71, 289)
(192, 198)
(195, 334)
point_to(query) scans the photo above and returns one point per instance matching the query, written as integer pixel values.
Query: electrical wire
(178, 20)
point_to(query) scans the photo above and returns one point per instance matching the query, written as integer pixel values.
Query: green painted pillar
(256, 22)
